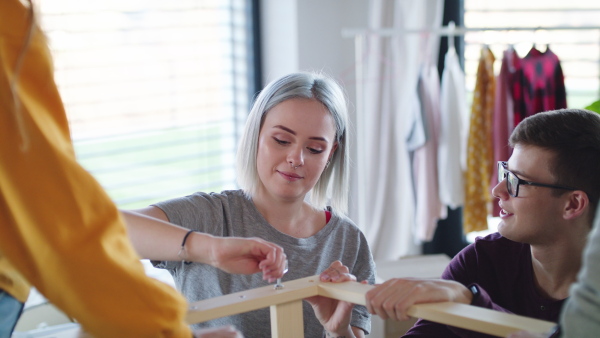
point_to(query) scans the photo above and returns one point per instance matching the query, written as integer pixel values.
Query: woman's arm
(153, 237)
(156, 239)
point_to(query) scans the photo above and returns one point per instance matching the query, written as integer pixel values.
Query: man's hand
(393, 298)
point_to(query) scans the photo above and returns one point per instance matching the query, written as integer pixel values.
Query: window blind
(156, 92)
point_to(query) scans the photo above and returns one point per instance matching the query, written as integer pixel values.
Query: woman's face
(295, 142)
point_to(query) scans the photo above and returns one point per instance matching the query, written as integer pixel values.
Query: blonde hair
(300, 85)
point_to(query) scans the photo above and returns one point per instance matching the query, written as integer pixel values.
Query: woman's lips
(289, 176)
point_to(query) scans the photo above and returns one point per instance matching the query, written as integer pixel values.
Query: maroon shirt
(502, 272)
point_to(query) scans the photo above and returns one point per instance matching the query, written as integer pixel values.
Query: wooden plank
(459, 315)
(349, 291)
(287, 320)
(250, 300)
(478, 319)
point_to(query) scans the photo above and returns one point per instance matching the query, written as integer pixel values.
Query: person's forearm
(351, 332)
(155, 239)
(346, 334)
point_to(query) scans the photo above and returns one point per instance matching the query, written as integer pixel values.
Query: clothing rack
(360, 35)
(452, 31)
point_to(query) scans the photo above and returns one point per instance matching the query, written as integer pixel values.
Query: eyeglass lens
(511, 179)
(513, 184)
(501, 172)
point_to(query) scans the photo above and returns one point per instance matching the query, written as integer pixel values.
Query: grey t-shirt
(230, 213)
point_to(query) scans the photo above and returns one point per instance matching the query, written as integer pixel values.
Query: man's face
(531, 217)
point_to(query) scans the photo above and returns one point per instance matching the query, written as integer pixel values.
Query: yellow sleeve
(58, 227)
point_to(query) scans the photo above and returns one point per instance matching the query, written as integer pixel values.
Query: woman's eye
(282, 142)
(315, 151)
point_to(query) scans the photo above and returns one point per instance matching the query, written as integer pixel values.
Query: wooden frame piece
(287, 320)
(244, 301)
(286, 309)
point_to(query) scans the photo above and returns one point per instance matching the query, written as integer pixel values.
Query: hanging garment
(453, 131)
(386, 206)
(428, 208)
(503, 123)
(543, 82)
(415, 123)
(479, 147)
(515, 85)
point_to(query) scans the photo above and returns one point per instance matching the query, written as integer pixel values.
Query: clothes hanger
(534, 40)
(451, 35)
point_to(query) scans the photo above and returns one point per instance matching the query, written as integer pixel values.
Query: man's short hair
(573, 135)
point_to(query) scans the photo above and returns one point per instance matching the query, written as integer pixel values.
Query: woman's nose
(296, 157)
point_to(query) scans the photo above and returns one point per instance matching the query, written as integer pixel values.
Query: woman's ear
(335, 145)
(577, 204)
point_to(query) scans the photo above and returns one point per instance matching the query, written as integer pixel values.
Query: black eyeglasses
(513, 182)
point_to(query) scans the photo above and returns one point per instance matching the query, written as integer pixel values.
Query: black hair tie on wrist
(182, 250)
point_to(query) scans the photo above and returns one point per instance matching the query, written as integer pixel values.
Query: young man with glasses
(547, 192)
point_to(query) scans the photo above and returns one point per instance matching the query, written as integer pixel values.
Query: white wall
(299, 35)
(306, 35)
(302, 35)
(279, 38)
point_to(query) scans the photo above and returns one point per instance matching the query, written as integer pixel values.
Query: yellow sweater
(59, 230)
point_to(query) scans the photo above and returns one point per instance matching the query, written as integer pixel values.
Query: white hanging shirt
(453, 133)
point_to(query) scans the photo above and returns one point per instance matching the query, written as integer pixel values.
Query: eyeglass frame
(503, 173)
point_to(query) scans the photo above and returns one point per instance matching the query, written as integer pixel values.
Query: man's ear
(577, 204)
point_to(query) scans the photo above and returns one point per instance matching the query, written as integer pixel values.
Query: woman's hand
(393, 298)
(247, 256)
(218, 332)
(333, 314)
